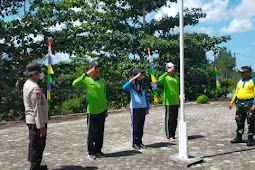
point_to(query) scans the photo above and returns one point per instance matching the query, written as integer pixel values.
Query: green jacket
(171, 89)
(95, 92)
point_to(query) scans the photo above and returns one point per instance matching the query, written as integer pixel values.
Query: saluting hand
(90, 70)
(135, 77)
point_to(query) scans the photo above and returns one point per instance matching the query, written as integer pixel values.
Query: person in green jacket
(96, 109)
(171, 99)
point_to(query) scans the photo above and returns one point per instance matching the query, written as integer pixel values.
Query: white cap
(169, 65)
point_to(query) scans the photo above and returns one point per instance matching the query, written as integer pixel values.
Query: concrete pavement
(210, 129)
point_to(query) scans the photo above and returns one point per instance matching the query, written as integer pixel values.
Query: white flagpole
(183, 151)
(183, 136)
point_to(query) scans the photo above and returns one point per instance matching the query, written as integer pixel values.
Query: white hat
(169, 65)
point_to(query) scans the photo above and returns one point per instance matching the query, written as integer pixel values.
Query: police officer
(245, 105)
(36, 110)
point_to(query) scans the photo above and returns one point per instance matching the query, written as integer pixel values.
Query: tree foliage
(118, 33)
(225, 63)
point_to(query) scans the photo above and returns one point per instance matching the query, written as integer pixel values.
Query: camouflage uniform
(243, 112)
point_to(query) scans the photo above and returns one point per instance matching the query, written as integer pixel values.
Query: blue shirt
(137, 100)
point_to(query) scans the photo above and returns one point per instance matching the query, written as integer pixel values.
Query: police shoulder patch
(37, 92)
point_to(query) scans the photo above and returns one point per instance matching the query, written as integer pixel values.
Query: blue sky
(225, 17)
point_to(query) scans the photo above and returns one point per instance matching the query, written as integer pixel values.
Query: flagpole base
(186, 161)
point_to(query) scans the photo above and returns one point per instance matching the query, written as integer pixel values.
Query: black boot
(250, 140)
(238, 138)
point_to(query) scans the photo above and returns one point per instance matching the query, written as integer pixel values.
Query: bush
(202, 99)
(76, 105)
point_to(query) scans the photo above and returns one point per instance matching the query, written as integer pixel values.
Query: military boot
(238, 138)
(250, 140)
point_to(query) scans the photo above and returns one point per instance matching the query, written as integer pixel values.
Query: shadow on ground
(195, 137)
(160, 144)
(230, 152)
(72, 167)
(123, 153)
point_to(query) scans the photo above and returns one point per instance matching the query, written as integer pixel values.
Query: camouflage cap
(245, 68)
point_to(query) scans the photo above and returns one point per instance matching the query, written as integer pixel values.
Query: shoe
(172, 139)
(135, 146)
(43, 167)
(142, 146)
(91, 157)
(101, 155)
(250, 140)
(238, 138)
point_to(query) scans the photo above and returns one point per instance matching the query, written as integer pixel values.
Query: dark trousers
(95, 139)
(137, 118)
(36, 146)
(171, 120)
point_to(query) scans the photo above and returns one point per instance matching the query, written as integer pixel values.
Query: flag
(217, 74)
(153, 78)
(50, 71)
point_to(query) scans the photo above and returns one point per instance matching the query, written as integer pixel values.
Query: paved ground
(210, 128)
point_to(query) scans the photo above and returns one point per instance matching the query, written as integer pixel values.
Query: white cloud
(57, 27)
(60, 57)
(238, 25)
(243, 18)
(216, 11)
(245, 9)
(175, 8)
(76, 23)
(76, 9)
(206, 30)
(39, 37)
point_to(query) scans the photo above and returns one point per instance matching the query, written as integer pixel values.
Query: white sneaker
(172, 139)
(91, 157)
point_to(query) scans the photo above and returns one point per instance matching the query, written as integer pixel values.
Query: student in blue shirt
(139, 106)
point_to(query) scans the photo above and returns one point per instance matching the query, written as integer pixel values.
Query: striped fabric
(50, 71)
(153, 78)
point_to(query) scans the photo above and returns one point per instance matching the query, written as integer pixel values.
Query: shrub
(202, 99)
(74, 105)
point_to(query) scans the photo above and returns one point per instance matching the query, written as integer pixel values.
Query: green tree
(21, 24)
(225, 63)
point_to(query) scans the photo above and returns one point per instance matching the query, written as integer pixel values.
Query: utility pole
(234, 69)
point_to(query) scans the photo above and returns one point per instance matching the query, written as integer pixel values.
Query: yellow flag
(218, 83)
(155, 99)
(50, 70)
(48, 94)
(153, 78)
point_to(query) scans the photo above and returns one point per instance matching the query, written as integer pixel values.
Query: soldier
(245, 105)
(97, 108)
(171, 99)
(36, 110)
